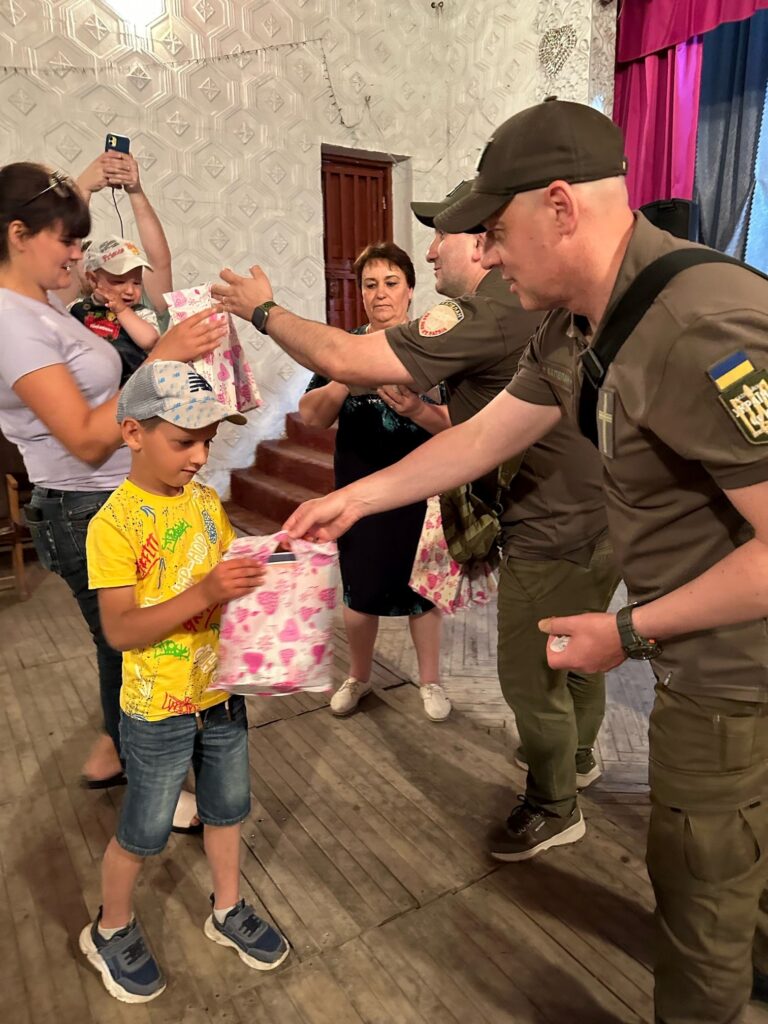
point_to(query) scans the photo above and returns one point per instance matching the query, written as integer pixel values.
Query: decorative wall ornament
(555, 47)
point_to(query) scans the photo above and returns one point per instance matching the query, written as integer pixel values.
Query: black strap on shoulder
(627, 314)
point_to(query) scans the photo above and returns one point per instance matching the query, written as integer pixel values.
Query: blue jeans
(58, 522)
(157, 758)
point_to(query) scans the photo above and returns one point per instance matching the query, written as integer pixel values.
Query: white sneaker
(348, 696)
(437, 707)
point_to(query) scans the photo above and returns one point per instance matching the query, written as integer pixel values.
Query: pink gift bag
(449, 586)
(277, 640)
(226, 368)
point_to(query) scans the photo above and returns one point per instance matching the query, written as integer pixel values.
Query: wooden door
(357, 211)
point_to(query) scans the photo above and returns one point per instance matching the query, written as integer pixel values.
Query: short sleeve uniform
(555, 506)
(672, 440)
(161, 546)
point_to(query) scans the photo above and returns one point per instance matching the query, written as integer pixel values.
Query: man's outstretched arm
(365, 360)
(505, 427)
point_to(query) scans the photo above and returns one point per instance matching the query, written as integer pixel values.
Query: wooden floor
(468, 656)
(365, 845)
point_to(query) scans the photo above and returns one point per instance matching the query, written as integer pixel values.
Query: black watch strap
(635, 646)
(627, 633)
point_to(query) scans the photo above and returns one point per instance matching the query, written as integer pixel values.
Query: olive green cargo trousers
(707, 853)
(557, 712)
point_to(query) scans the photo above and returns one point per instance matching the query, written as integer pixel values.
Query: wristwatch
(260, 314)
(635, 646)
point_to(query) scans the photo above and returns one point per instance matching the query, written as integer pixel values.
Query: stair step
(313, 437)
(296, 463)
(271, 498)
(248, 522)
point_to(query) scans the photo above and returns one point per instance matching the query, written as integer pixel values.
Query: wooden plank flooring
(364, 843)
(468, 656)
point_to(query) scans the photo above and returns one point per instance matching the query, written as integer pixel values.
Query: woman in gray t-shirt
(58, 400)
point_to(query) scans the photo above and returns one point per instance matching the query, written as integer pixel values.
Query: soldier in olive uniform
(556, 557)
(683, 427)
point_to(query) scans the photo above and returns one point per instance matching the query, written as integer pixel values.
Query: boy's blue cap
(174, 392)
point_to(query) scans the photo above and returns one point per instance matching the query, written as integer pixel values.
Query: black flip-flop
(188, 830)
(118, 779)
(186, 809)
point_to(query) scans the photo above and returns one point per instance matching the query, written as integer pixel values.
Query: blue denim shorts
(157, 758)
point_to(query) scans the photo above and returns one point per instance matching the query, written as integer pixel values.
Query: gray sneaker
(529, 831)
(125, 962)
(587, 768)
(258, 944)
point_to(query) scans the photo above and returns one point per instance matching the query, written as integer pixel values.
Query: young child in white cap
(155, 552)
(114, 269)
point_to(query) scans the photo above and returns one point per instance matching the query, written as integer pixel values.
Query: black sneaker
(529, 831)
(587, 768)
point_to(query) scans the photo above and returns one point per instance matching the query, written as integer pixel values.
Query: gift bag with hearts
(278, 639)
(435, 575)
(226, 368)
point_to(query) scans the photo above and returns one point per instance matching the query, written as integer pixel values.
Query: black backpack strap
(627, 314)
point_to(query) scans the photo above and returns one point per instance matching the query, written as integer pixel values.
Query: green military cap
(426, 212)
(553, 141)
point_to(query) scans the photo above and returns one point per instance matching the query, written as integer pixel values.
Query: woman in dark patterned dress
(377, 553)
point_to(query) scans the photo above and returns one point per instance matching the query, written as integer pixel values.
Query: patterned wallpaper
(227, 103)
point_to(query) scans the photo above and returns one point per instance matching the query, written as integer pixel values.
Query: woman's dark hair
(389, 253)
(25, 195)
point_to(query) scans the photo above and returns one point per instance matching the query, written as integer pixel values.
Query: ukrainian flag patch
(743, 392)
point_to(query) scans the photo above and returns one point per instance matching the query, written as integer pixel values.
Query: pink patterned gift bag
(277, 640)
(449, 586)
(226, 369)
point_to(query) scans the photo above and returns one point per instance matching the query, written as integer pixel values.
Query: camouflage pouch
(471, 525)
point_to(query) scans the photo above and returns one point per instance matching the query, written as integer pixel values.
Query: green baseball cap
(426, 212)
(555, 140)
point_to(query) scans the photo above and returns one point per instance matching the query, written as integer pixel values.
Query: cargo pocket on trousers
(45, 544)
(723, 846)
(735, 740)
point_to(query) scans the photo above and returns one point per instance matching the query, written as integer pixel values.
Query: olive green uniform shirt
(555, 507)
(671, 441)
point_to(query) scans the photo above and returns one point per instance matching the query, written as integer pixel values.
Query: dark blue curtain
(734, 76)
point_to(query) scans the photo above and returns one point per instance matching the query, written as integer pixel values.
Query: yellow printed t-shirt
(161, 546)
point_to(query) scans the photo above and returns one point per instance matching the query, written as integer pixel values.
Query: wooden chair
(17, 489)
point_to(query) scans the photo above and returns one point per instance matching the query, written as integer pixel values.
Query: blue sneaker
(126, 964)
(258, 944)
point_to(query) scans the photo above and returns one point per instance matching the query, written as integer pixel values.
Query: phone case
(119, 143)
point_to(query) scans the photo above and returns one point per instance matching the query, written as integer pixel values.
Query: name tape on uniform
(743, 391)
(440, 319)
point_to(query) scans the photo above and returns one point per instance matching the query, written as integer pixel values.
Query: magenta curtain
(647, 26)
(656, 104)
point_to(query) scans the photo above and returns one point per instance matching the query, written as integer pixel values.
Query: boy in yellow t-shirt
(154, 554)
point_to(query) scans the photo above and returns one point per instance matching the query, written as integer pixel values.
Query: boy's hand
(231, 579)
(192, 338)
(112, 299)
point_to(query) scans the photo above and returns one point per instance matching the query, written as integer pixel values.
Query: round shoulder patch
(441, 319)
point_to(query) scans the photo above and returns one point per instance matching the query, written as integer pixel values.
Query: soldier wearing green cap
(683, 429)
(555, 550)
